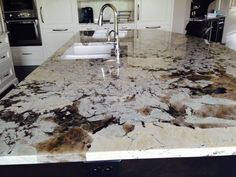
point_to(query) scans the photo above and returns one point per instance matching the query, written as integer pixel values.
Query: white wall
(1, 21)
(230, 29)
(229, 37)
(181, 15)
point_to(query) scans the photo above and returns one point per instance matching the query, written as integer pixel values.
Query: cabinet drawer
(4, 54)
(161, 26)
(4, 41)
(6, 74)
(86, 27)
(5, 67)
(124, 27)
(27, 55)
(55, 38)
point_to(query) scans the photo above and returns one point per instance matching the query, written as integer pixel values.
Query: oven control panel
(20, 15)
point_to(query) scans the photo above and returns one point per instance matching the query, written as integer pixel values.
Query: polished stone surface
(171, 96)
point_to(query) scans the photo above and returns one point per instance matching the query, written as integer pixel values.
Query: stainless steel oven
(22, 22)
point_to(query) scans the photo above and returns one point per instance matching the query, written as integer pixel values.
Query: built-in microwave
(18, 5)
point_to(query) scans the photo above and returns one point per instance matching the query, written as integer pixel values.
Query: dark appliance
(210, 29)
(199, 8)
(22, 22)
(86, 15)
(18, 5)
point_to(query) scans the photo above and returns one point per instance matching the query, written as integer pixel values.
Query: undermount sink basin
(95, 50)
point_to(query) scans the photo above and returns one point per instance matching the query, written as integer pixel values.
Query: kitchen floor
(21, 73)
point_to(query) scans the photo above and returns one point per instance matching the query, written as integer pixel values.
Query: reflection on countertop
(171, 96)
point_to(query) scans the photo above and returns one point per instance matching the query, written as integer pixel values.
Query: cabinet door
(154, 13)
(54, 39)
(57, 12)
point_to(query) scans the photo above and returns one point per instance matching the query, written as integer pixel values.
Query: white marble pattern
(171, 96)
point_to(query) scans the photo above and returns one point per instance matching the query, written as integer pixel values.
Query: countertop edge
(126, 155)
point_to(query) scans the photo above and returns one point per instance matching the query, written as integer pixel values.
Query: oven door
(24, 32)
(18, 5)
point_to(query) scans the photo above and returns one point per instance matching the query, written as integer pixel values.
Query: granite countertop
(171, 96)
(206, 19)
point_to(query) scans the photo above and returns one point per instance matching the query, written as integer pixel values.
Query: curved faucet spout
(100, 19)
(100, 23)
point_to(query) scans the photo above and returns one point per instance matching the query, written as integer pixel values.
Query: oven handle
(36, 28)
(21, 21)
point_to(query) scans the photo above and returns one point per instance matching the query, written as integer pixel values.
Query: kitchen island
(171, 96)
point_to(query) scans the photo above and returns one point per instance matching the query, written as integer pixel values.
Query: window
(233, 3)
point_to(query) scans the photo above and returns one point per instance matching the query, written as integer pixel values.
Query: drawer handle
(6, 75)
(138, 13)
(3, 57)
(26, 53)
(41, 14)
(60, 30)
(153, 27)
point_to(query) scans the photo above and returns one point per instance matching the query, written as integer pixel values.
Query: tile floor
(21, 73)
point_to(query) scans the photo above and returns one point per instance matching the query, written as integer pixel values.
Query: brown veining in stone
(219, 111)
(26, 118)
(74, 140)
(227, 82)
(95, 126)
(130, 98)
(145, 111)
(127, 127)
(206, 126)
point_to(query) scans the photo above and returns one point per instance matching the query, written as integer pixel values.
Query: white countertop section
(171, 96)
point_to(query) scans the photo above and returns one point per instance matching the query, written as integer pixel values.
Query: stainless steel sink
(95, 50)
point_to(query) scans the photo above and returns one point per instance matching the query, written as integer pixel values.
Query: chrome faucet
(116, 31)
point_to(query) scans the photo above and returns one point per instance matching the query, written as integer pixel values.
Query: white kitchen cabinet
(28, 55)
(181, 15)
(154, 14)
(55, 38)
(58, 22)
(57, 13)
(95, 27)
(7, 73)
